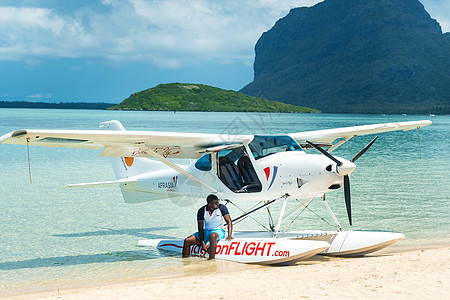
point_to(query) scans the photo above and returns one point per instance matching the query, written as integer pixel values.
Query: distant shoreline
(60, 105)
(105, 106)
(95, 106)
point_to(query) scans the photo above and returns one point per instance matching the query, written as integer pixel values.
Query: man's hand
(230, 227)
(204, 247)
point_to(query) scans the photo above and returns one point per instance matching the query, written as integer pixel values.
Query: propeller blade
(363, 150)
(348, 204)
(338, 162)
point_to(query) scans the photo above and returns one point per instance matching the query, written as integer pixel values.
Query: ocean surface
(51, 237)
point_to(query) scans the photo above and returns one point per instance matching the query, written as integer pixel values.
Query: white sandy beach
(422, 274)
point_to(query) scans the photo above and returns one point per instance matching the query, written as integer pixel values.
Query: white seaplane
(267, 168)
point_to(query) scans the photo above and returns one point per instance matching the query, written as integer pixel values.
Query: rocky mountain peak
(353, 56)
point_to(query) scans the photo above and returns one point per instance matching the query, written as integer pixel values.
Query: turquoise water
(49, 233)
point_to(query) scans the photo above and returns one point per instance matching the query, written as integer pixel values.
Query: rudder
(125, 167)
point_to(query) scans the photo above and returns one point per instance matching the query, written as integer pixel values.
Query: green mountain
(199, 97)
(354, 56)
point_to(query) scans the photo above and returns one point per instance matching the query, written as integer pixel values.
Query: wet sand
(418, 274)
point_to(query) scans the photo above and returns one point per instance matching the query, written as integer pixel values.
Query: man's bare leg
(188, 242)
(213, 245)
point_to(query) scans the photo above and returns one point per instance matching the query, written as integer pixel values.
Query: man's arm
(230, 227)
(201, 233)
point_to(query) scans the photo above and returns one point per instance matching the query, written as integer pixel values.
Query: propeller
(348, 203)
(347, 196)
(364, 150)
(326, 153)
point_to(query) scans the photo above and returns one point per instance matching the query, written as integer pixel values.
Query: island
(199, 97)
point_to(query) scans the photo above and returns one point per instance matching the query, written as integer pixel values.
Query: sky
(105, 50)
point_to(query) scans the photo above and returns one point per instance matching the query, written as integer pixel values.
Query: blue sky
(104, 50)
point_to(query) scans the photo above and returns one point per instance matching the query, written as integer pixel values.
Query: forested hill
(355, 56)
(199, 97)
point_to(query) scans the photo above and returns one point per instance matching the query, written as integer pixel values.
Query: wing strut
(331, 213)
(339, 144)
(177, 168)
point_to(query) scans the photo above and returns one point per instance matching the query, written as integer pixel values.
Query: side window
(204, 163)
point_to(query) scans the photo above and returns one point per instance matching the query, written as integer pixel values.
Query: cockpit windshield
(263, 145)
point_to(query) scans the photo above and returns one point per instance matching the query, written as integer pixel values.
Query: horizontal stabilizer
(101, 184)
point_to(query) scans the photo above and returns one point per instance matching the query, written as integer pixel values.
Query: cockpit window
(204, 163)
(233, 154)
(236, 171)
(262, 145)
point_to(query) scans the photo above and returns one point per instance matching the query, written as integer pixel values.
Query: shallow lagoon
(50, 233)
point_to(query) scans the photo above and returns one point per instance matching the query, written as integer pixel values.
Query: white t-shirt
(212, 220)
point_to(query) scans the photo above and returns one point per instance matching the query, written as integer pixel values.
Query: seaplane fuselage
(238, 176)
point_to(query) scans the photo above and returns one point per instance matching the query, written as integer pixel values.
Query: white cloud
(29, 18)
(39, 96)
(27, 33)
(167, 33)
(439, 10)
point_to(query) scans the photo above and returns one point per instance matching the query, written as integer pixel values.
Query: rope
(418, 138)
(29, 163)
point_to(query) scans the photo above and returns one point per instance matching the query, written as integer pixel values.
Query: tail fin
(125, 167)
(128, 167)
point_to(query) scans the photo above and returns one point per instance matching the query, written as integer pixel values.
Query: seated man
(210, 227)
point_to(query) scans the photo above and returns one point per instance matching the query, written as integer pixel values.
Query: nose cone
(346, 168)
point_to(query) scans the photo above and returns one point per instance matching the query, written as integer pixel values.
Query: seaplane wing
(128, 143)
(121, 143)
(326, 137)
